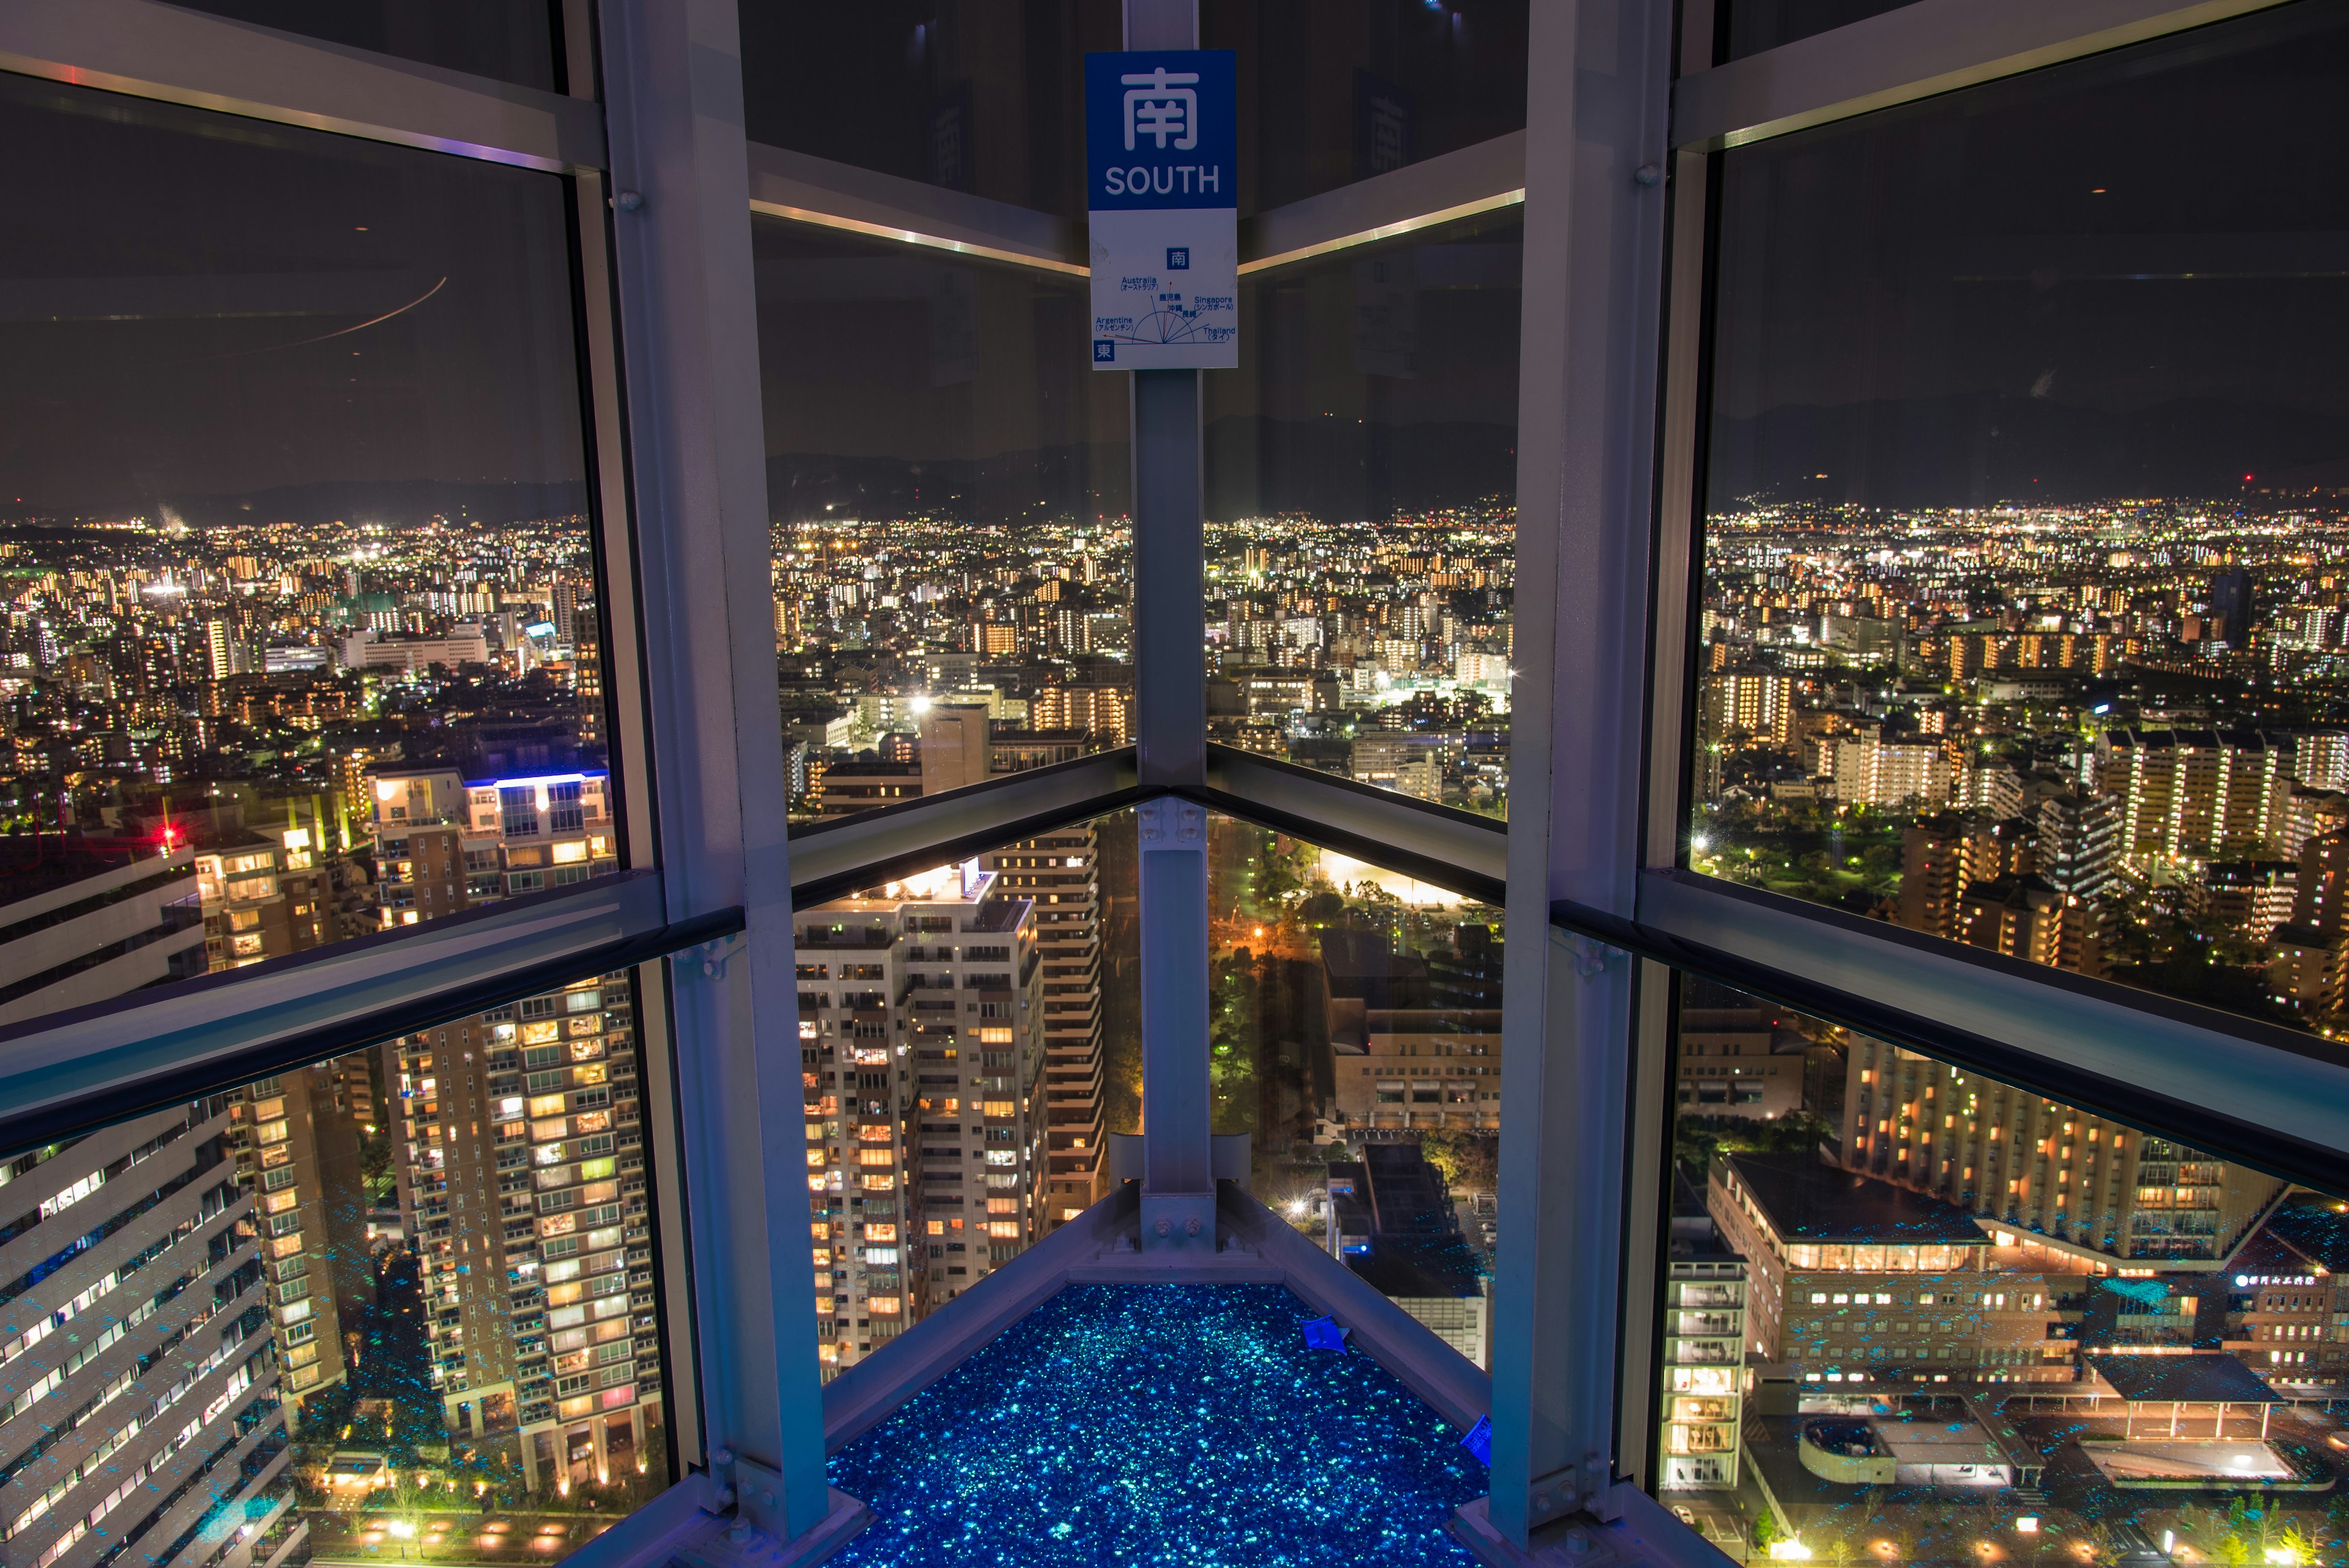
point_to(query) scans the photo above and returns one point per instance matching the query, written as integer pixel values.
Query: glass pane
(1332, 91)
(296, 517)
(1121, 970)
(980, 97)
(1912, 1313)
(1361, 504)
(1355, 1034)
(2019, 622)
(1750, 26)
(398, 1303)
(951, 1038)
(512, 40)
(991, 101)
(947, 477)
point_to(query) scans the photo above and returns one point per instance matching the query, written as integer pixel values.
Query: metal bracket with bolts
(1592, 957)
(717, 955)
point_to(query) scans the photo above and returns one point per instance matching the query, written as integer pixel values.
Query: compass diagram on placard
(1173, 322)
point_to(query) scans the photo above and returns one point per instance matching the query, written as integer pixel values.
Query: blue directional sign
(1162, 142)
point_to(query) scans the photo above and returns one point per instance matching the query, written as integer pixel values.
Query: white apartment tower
(923, 1056)
(140, 1413)
(1060, 873)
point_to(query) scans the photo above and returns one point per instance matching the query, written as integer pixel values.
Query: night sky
(185, 296)
(2128, 276)
(2124, 277)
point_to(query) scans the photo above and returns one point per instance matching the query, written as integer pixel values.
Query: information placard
(1161, 141)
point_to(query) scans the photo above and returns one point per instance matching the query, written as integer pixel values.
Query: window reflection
(1335, 92)
(292, 495)
(511, 40)
(980, 99)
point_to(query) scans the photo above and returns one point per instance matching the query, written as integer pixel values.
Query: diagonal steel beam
(1911, 52)
(831, 860)
(1454, 850)
(144, 49)
(82, 1069)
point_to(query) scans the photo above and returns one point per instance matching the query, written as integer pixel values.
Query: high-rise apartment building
(1746, 707)
(1872, 770)
(298, 1138)
(444, 843)
(520, 1157)
(2050, 1176)
(923, 1050)
(267, 895)
(2079, 840)
(519, 1148)
(1705, 1377)
(1060, 874)
(140, 1414)
(2196, 794)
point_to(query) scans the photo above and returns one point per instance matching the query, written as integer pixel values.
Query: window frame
(1613, 170)
(2239, 1087)
(2164, 1064)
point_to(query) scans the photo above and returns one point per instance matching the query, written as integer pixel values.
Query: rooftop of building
(1806, 1199)
(1694, 1237)
(2200, 1379)
(1396, 1199)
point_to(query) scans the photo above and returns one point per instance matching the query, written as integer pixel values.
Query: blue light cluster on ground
(1144, 1424)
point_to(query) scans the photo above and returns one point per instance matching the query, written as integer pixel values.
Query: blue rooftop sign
(1162, 142)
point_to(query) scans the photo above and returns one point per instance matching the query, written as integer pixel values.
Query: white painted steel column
(1170, 567)
(1170, 592)
(1596, 119)
(1178, 1186)
(688, 314)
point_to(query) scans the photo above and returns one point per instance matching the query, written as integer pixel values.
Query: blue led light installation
(1147, 1425)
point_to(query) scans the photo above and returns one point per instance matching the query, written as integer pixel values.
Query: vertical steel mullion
(688, 316)
(1178, 1183)
(618, 611)
(1170, 609)
(1170, 591)
(1679, 561)
(1596, 128)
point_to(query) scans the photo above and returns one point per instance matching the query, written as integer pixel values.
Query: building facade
(2063, 1178)
(1856, 1281)
(923, 1052)
(1060, 875)
(140, 1405)
(518, 1154)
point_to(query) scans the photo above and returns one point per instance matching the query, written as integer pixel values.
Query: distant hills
(1254, 466)
(392, 502)
(1979, 449)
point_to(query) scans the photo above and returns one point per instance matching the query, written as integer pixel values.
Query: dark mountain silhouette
(1981, 449)
(1254, 466)
(1032, 484)
(360, 501)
